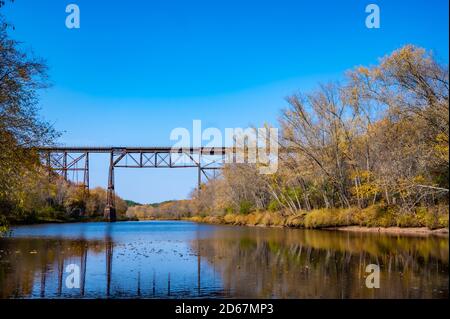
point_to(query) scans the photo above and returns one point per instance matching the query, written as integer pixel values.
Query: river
(177, 259)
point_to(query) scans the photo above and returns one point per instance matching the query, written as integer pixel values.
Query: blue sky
(135, 70)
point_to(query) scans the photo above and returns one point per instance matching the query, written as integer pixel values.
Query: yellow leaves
(363, 175)
(442, 138)
(367, 190)
(442, 147)
(419, 179)
(23, 73)
(363, 70)
(365, 185)
(377, 73)
(353, 95)
(404, 54)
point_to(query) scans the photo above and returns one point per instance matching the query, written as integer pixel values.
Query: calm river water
(174, 259)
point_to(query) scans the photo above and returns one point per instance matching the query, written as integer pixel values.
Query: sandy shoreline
(395, 230)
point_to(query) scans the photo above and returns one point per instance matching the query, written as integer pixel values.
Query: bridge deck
(135, 149)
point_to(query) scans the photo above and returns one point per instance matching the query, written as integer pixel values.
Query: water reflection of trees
(252, 263)
(35, 268)
(265, 263)
(24, 260)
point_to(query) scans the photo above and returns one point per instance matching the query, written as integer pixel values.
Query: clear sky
(135, 70)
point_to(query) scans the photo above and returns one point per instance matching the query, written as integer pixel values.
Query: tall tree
(21, 128)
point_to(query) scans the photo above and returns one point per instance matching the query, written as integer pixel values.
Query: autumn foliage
(378, 139)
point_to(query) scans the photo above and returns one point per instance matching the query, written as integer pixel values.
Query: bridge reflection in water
(189, 260)
(27, 286)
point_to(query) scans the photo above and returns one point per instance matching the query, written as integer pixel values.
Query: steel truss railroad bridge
(71, 162)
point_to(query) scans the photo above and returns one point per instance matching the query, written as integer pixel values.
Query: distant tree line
(175, 209)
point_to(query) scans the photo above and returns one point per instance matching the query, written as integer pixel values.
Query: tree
(379, 137)
(21, 129)
(408, 146)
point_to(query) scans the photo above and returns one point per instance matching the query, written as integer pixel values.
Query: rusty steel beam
(101, 149)
(110, 209)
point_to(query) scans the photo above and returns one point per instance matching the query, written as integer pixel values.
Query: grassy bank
(372, 217)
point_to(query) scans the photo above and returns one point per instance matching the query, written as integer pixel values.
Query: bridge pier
(199, 176)
(110, 213)
(110, 209)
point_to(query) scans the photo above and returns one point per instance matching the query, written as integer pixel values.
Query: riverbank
(63, 220)
(395, 230)
(373, 219)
